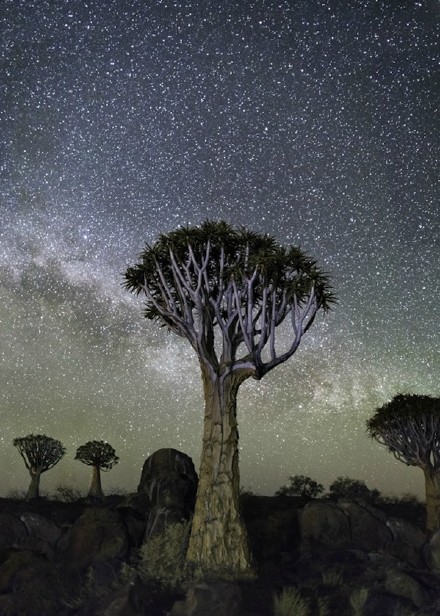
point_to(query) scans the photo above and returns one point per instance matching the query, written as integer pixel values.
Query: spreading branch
(98, 454)
(409, 426)
(214, 280)
(39, 452)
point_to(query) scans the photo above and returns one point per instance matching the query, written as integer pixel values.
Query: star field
(314, 121)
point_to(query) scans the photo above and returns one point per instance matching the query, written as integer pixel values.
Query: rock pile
(82, 558)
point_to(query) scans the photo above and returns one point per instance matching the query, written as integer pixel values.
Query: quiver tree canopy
(101, 456)
(227, 290)
(243, 284)
(97, 453)
(40, 453)
(409, 426)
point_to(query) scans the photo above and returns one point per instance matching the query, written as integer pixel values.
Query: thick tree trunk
(218, 542)
(34, 487)
(432, 487)
(95, 487)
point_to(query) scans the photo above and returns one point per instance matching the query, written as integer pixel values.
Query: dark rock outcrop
(408, 541)
(368, 528)
(213, 597)
(12, 530)
(170, 481)
(344, 525)
(86, 559)
(431, 551)
(399, 583)
(98, 534)
(324, 524)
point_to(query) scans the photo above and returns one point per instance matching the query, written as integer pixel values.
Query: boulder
(30, 532)
(403, 585)
(43, 534)
(380, 603)
(344, 525)
(137, 502)
(135, 524)
(41, 527)
(170, 481)
(408, 541)
(132, 599)
(213, 597)
(368, 528)
(17, 561)
(324, 524)
(12, 530)
(431, 551)
(98, 534)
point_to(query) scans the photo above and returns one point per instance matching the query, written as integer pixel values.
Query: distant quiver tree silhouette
(409, 425)
(40, 453)
(227, 291)
(101, 456)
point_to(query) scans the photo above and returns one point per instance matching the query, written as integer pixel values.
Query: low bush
(289, 602)
(162, 557)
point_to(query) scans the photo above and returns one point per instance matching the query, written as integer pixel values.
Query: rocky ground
(121, 557)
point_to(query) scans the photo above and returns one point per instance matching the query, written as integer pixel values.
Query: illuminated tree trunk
(96, 488)
(34, 488)
(218, 541)
(432, 487)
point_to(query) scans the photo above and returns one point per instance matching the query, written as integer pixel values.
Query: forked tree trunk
(95, 487)
(218, 541)
(432, 488)
(34, 487)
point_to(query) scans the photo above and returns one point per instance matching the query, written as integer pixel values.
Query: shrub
(16, 494)
(86, 591)
(404, 499)
(323, 607)
(344, 488)
(332, 577)
(289, 602)
(67, 494)
(247, 491)
(117, 491)
(162, 557)
(357, 600)
(302, 486)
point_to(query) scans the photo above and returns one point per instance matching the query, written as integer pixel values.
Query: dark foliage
(301, 486)
(348, 489)
(39, 452)
(409, 425)
(98, 454)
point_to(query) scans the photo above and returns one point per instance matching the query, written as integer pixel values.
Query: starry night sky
(313, 120)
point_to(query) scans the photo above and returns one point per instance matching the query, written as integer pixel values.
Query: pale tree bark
(95, 487)
(218, 541)
(432, 490)
(227, 291)
(34, 487)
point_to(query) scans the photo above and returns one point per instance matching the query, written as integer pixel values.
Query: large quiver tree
(40, 453)
(409, 425)
(227, 291)
(101, 456)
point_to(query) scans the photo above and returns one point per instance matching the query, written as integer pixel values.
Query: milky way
(314, 121)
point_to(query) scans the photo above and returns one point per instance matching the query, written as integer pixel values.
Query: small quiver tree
(227, 291)
(409, 425)
(40, 453)
(101, 457)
